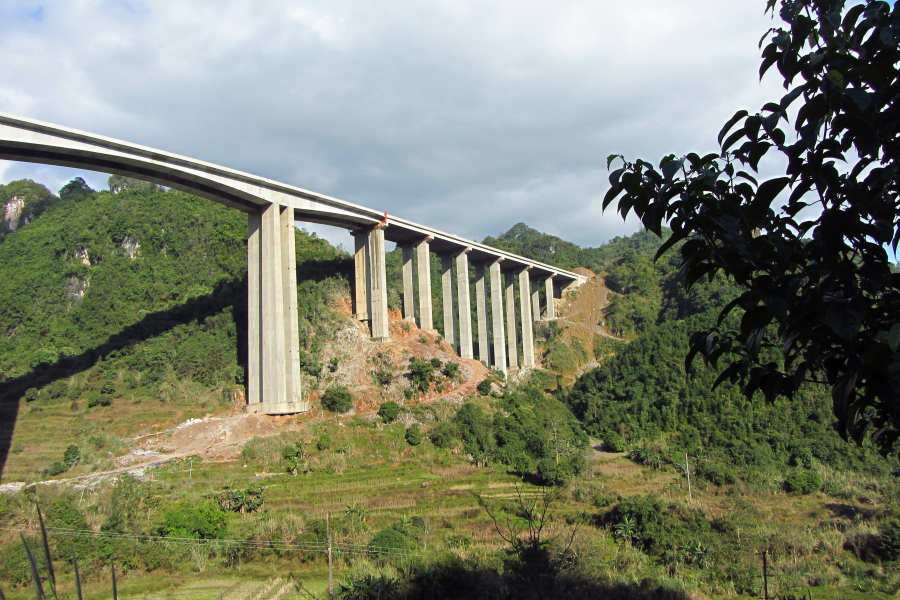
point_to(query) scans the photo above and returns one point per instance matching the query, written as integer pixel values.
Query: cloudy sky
(466, 116)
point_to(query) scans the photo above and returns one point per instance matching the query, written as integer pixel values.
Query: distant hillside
(22, 201)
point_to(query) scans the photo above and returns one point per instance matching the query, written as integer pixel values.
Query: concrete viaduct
(273, 373)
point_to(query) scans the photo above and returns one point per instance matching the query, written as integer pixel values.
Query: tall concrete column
(423, 262)
(527, 326)
(254, 308)
(497, 316)
(511, 321)
(409, 294)
(484, 351)
(551, 305)
(447, 290)
(465, 306)
(361, 278)
(378, 289)
(273, 346)
(289, 286)
(535, 303)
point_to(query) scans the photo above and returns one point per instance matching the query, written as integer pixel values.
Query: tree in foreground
(821, 302)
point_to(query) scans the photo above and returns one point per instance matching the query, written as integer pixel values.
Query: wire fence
(337, 548)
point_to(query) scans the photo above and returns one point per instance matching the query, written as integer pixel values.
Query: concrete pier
(484, 350)
(423, 262)
(535, 302)
(551, 305)
(513, 347)
(361, 275)
(497, 316)
(447, 289)
(378, 286)
(409, 294)
(527, 325)
(254, 308)
(464, 305)
(289, 288)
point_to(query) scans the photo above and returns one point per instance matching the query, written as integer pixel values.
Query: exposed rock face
(82, 253)
(76, 287)
(12, 212)
(131, 247)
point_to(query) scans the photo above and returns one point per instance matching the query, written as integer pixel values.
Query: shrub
(337, 399)
(383, 377)
(413, 435)
(421, 373)
(443, 434)
(203, 520)
(436, 363)
(31, 394)
(615, 442)
(716, 472)
(72, 455)
(887, 544)
(484, 388)
(389, 411)
(408, 393)
(388, 541)
(57, 389)
(324, 442)
(105, 399)
(803, 482)
(451, 369)
(57, 468)
(109, 387)
(93, 399)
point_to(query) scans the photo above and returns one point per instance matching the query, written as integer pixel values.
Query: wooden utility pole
(765, 574)
(687, 468)
(330, 580)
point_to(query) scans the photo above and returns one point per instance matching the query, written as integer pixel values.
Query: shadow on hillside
(226, 294)
(318, 270)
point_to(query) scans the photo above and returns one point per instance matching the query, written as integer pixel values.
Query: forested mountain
(21, 202)
(145, 286)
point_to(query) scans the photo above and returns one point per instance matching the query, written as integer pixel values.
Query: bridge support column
(511, 321)
(423, 262)
(409, 294)
(447, 289)
(527, 326)
(484, 350)
(551, 305)
(362, 276)
(293, 384)
(273, 365)
(497, 316)
(464, 305)
(535, 302)
(378, 286)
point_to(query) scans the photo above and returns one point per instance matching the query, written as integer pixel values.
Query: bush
(615, 442)
(203, 521)
(451, 369)
(421, 373)
(383, 377)
(803, 482)
(57, 468)
(57, 389)
(716, 472)
(389, 411)
(887, 544)
(106, 399)
(93, 399)
(337, 399)
(72, 455)
(388, 541)
(413, 435)
(324, 442)
(484, 388)
(436, 363)
(443, 434)
(31, 394)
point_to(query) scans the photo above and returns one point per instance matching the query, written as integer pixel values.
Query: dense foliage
(818, 282)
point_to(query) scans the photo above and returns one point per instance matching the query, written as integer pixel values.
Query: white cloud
(467, 116)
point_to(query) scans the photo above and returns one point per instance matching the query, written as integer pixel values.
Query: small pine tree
(413, 435)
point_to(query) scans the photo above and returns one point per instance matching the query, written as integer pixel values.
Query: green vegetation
(337, 399)
(389, 411)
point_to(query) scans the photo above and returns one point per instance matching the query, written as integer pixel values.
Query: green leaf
(861, 98)
(671, 167)
(673, 239)
(737, 117)
(765, 193)
(613, 157)
(894, 337)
